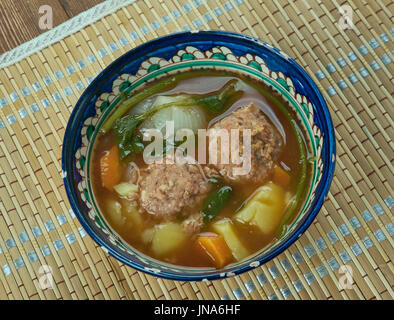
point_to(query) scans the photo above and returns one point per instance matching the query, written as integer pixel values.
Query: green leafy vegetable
(128, 142)
(130, 101)
(215, 202)
(124, 127)
(216, 102)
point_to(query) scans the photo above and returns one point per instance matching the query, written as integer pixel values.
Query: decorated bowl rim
(76, 119)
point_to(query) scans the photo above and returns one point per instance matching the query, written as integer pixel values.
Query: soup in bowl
(202, 165)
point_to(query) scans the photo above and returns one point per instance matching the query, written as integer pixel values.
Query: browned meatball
(193, 224)
(266, 144)
(166, 189)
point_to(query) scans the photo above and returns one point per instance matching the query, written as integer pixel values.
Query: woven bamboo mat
(352, 67)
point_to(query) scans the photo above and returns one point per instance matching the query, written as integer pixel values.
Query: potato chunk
(125, 188)
(147, 235)
(270, 193)
(114, 210)
(167, 238)
(265, 209)
(132, 215)
(225, 228)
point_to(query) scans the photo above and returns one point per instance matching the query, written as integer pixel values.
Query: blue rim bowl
(164, 49)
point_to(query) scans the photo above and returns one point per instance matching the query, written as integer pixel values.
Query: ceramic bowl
(192, 51)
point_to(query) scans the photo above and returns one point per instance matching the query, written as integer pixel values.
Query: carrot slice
(110, 168)
(216, 248)
(281, 177)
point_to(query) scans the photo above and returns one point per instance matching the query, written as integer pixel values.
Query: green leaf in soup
(124, 127)
(300, 188)
(213, 102)
(216, 102)
(215, 202)
(128, 101)
(137, 144)
(124, 131)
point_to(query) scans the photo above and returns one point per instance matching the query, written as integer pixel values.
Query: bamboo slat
(353, 68)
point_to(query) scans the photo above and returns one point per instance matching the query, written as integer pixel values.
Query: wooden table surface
(19, 19)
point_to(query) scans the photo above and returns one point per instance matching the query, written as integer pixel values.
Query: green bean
(300, 189)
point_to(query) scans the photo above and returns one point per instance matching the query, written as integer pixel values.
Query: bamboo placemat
(352, 67)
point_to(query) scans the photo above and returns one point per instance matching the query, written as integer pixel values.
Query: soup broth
(219, 218)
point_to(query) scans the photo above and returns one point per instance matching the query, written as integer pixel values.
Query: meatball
(193, 224)
(265, 146)
(166, 189)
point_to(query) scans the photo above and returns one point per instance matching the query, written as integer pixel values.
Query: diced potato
(270, 193)
(114, 210)
(265, 209)
(125, 188)
(129, 205)
(147, 235)
(268, 219)
(136, 219)
(133, 216)
(167, 238)
(225, 228)
(247, 213)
